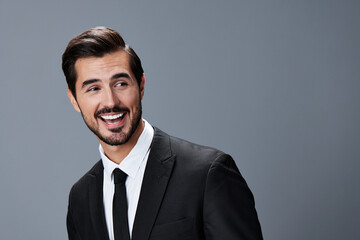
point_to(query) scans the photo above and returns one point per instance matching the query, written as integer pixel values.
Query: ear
(142, 85)
(73, 100)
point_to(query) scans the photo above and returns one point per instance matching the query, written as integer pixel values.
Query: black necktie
(120, 208)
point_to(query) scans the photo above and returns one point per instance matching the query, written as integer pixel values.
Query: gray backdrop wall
(274, 83)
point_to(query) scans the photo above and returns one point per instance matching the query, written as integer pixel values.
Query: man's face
(108, 97)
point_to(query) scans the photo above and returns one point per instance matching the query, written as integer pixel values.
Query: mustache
(111, 110)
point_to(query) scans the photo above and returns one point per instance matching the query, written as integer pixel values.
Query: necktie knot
(119, 176)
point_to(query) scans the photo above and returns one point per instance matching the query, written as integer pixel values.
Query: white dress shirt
(134, 166)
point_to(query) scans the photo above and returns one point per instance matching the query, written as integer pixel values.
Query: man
(166, 188)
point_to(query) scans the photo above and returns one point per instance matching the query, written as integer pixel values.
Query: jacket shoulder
(183, 147)
(83, 182)
(191, 155)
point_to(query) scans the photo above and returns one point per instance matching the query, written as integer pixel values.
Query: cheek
(87, 106)
(136, 101)
(131, 99)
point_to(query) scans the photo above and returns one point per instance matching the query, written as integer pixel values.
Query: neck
(119, 152)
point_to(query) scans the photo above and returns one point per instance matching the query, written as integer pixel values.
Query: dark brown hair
(96, 42)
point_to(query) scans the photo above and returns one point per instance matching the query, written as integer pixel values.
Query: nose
(109, 98)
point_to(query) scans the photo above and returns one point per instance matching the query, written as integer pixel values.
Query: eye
(92, 89)
(121, 84)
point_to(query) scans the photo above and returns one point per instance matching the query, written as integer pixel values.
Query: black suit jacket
(189, 192)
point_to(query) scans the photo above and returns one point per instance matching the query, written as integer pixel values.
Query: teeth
(111, 117)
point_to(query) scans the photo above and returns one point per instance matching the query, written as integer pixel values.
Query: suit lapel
(157, 173)
(96, 202)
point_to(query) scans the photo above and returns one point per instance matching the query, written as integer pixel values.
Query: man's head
(105, 84)
(96, 42)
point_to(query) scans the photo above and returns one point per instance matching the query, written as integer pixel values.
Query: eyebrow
(120, 75)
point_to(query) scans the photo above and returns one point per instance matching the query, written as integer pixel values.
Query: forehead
(102, 67)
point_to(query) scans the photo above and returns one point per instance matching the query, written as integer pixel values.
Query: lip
(114, 124)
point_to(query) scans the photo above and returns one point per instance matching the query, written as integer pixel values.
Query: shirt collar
(133, 161)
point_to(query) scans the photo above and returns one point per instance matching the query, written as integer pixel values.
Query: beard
(119, 136)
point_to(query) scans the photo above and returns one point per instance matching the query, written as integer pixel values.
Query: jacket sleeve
(71, 229)
(229, 207)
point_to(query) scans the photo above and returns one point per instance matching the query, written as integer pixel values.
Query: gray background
(274, 83)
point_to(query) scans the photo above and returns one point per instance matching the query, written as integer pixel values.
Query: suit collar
(157, 174)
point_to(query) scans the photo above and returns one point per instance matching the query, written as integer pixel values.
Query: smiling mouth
(113, 120)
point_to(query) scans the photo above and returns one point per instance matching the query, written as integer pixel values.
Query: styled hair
(96, 42)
